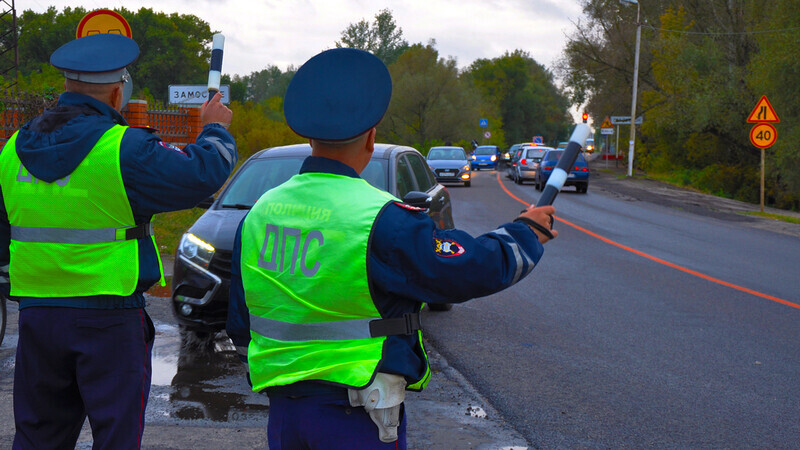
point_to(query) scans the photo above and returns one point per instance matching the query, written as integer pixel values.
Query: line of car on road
(533, 162)
(202, 266)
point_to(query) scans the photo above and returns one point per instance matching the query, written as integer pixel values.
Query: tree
(775, 72)
(268, 83)
(40, 34)
(174, 48)
(382, 38)
(524, 91)
(259, 126)
(429, 100)
(597, 64)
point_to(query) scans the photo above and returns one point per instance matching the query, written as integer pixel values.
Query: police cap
(338, 95)
(97, 58)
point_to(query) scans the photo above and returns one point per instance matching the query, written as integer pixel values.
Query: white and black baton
(215, 72)
(559, 176)
(565, 164)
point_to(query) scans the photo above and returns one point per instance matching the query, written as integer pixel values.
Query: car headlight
(474, 157)
(465, 168)
(494, 157)
(195, 249)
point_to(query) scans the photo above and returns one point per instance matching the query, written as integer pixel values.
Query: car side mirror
(206, 203)
(418, 199)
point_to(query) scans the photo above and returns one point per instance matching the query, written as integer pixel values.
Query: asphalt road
(598, 348)
(604, 347)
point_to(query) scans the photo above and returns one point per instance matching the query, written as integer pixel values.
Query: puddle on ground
(201, 380)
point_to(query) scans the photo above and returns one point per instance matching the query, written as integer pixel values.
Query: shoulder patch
(148, 129)
(171, 147)
(409, 207)
(447, 248)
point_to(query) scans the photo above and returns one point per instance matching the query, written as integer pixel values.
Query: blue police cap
(97, 58)
(338, 95)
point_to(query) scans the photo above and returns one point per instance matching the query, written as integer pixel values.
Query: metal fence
(16, 108)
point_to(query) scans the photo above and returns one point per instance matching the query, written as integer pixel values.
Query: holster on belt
(382, 399)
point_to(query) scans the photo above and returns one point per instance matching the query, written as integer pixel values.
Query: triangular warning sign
(607, 123)
(763, 112)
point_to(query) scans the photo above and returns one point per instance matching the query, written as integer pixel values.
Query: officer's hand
(543, 217)
(213, 111)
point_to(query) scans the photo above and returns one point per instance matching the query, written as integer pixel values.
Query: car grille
(221, 263)
(452, 172)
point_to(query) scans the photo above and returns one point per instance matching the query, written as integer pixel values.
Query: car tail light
(524, 162)
(548, 168)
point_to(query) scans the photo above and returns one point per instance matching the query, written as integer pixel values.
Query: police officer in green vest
(78, 188)
(329, 273)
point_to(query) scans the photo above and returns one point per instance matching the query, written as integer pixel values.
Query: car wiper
(236, 206)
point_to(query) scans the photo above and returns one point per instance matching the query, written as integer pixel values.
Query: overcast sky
(259, 33)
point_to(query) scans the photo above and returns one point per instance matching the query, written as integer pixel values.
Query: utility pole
(635, 85)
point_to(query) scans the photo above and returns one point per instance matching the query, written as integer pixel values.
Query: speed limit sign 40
(763, 135)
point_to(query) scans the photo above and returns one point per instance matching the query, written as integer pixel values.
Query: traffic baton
(565, 164)
(215, 71)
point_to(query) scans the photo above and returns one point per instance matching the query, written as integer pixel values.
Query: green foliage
(383, 38)
(529, 103)
(702, 71)
(170, 226)
(268, 83)
(47, 80)
(257, 126)
(775, 72)
(174, 47)
(429, 100)
(40, 34)
(238, 86)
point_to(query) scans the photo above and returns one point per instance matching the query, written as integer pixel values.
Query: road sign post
(763, 135)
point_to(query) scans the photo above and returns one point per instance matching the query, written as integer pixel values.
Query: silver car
(528, 163)
(450, 165)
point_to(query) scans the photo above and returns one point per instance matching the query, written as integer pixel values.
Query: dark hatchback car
(202, 269)
(578, 174)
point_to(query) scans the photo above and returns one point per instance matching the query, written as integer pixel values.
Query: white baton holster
(382, 400)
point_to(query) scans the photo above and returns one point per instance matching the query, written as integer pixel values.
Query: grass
(780, 217)
(169, 227)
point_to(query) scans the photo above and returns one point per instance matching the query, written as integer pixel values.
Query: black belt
(406, 325)
(140, 231)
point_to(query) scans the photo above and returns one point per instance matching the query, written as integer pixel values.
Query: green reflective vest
(304, 273)
(68, 237)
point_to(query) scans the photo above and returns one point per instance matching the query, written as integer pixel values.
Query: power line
(710, 33)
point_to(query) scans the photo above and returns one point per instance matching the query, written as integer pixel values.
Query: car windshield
(534, 153)
(264, 174)
(555, 156)
(453, 154)
(485, 151)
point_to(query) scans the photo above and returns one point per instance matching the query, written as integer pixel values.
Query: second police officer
(79, 189)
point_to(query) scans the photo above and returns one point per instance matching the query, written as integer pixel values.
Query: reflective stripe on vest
(320, 331)
(304, 273)
(67, 236)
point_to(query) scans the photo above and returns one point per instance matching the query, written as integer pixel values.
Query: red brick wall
(176, 126)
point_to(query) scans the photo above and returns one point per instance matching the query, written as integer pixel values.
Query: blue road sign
(484, 122)
(538, 140)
